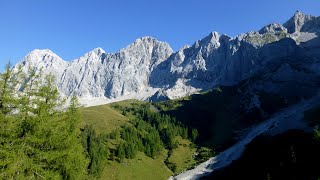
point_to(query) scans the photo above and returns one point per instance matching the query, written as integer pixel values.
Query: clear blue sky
(71, 28)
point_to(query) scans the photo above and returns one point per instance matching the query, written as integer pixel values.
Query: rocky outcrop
(101, 74)
(302, 23)
(148, 68)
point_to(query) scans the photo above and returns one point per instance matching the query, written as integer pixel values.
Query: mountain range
(279, 58)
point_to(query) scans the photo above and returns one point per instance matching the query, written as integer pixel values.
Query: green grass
(103, 118)
(127, 107)
(141, 167)
(106, 118)
(182, 156)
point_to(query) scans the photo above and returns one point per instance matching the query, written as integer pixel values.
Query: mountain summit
(148, 68)
(302, 23)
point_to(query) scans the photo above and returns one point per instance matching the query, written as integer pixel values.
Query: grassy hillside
(103, 118)
(182, 157)
(216, 115)
(141, 167)
(139, 132)
(113, 121)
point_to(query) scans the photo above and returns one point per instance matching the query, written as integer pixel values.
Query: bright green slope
(182, 156)
(103, 118)
(106, 118)
(141, 167)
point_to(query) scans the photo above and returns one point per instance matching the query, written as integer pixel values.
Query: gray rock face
(274, 28)
(98, 74)
(303, 23)
(148, 68)
(222, 60)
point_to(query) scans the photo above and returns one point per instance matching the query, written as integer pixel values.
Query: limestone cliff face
(222, 60)
(282, 55)
(99, 74)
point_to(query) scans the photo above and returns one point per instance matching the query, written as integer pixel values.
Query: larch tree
(41, 139)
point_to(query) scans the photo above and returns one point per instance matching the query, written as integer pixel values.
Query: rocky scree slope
(277, 58)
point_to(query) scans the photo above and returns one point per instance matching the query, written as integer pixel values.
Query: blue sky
(71, 28)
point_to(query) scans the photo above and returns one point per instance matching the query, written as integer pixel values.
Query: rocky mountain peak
(41, 53)
(37, 56)
(148, 39)
(300, 22)
(213, 38)
(98, 51)
(147, 42)
(148, 65)
(214, 35)
(147, 50)
(94, 55)
(43, 59)
(273, 28)
(299, 15)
